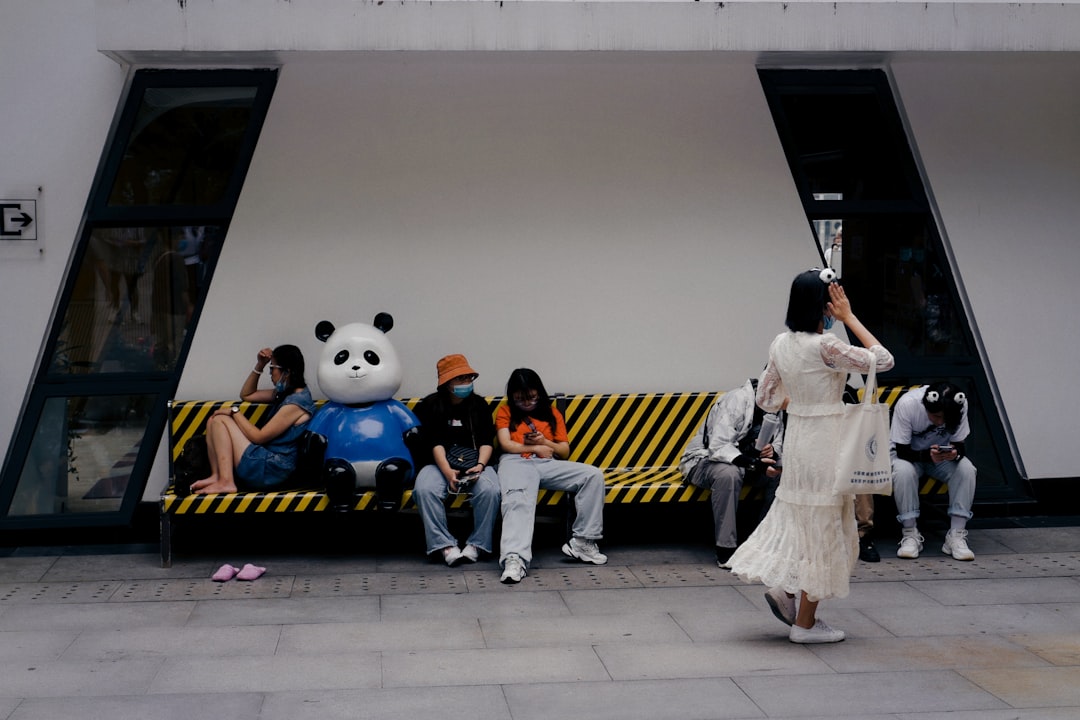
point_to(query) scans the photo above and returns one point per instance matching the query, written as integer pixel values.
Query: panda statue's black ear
(324, 330)
(384, 321)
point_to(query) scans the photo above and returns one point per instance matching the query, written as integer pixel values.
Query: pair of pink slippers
(227, 572)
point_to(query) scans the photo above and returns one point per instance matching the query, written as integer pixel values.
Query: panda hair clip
(932, 397)
(828, 275)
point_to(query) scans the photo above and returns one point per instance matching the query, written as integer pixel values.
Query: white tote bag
(863, 464)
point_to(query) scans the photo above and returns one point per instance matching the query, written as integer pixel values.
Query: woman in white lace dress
(808, 542)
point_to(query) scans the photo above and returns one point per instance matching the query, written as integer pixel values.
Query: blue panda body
(365, 436)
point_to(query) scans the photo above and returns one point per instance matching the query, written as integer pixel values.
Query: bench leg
(166, 540)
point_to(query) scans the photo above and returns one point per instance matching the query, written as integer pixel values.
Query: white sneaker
(471, 553)
(820, 633)
(782, 606)
(513, 569)
(911, 544)
(584, 550)
(956, 545)
(452, 555)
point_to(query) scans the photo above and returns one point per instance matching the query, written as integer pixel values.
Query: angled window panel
(158, 215)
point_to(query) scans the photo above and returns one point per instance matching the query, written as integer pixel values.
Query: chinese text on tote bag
(863, 464)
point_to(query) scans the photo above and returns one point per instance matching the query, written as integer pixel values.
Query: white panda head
(358, 364)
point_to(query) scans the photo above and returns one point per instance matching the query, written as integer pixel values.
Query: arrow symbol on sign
(24, 220)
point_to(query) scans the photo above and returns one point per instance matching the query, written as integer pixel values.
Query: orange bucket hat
(453, 366)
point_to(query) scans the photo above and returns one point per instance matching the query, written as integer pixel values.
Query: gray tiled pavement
(658, 633)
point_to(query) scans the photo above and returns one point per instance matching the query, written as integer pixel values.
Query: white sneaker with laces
(584, 550)
(820, 633)
(452, 555)
(956, 545)
(782, 606)
(911, 544)
(471, 553)
(513, 569)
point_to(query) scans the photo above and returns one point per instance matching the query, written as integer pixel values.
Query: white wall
(59, 96)
(619, 222)
(999, 139)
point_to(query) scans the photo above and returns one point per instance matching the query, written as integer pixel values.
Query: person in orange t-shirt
(532, 434)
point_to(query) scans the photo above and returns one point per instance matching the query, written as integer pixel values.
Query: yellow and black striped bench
(636, 439)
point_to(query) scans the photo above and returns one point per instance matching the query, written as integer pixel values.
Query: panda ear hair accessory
(959, 398)
(324, 330)
(932, 396)
(827, 275)
(384, 321)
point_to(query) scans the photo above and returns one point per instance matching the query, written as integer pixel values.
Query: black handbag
(462, 458)
(192, 464)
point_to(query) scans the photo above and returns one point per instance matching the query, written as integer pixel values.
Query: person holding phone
(454, 420)
(929, 427)
(532, 434)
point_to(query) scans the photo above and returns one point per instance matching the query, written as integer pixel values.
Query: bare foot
(205, 482)
(221, 486)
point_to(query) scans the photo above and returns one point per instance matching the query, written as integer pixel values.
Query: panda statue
(365, 430)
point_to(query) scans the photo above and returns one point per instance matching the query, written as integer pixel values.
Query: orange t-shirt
(502, 420)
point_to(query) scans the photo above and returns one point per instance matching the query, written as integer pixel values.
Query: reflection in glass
(184, 146)
(81, 456)
(133, 299)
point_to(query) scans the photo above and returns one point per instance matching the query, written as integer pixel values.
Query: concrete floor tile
(1031, 687)
(24, 569)
(453, 703)
(772, 656)
(331, 638)
(1025, 540)
(174, 642)
(285, 611)
(76, 616)
(504, 602)
(863, 594)
(652, 600)
(1011, 714)
(971, 620)
(706, 699)
(582, 630)
(60, 678)
(864, 694)
(498, 666)
(26, 645)
(1000, 591)
(857, 655)
(85, 568)
(1056, 649)
(240, 706)
(280, 673)
(8, 705)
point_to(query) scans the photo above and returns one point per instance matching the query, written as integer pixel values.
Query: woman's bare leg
(806, 615)
(226, 444)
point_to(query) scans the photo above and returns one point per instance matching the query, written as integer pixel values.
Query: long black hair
(806, 304)
(291, 361)
(942, 397)
(525, 381)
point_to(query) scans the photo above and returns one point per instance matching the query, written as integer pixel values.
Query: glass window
(134, 298)
(81, 456)
(157, 218)
(871, 216)
(183, 146)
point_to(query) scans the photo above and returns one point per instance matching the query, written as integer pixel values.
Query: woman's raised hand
(839, 305)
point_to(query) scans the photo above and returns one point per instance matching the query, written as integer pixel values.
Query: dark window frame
(160, 384)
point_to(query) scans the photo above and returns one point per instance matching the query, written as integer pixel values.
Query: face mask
(462, 391)
(829, 320)
(279, 386)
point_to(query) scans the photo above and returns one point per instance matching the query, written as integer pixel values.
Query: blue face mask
(829, 320)
(279, 386)
(462, 391)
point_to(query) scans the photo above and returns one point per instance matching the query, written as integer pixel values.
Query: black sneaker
(867, 551)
